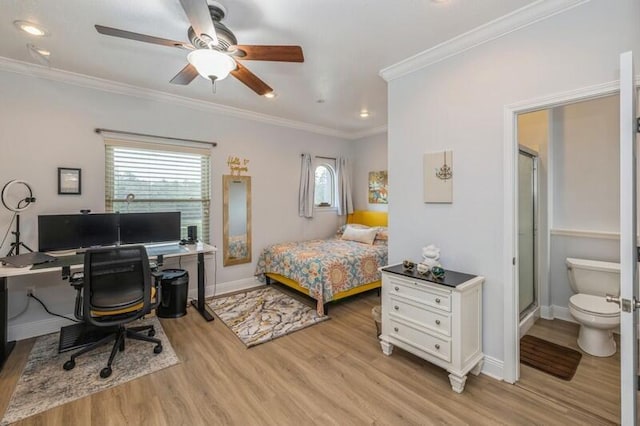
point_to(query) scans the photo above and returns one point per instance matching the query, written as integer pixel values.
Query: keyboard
(163, 249)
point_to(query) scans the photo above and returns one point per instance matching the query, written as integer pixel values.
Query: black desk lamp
(21, 205)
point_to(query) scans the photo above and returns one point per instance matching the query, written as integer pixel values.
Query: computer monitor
(149, 227)
(74, 231)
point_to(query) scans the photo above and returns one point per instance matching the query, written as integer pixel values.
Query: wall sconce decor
(438, 177)
(237, 166)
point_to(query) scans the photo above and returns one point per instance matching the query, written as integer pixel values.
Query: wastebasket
(376, 313)
(174, 287)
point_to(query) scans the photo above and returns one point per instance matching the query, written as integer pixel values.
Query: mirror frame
(226, 181)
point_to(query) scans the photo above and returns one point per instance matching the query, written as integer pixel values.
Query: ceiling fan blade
(114, 32)
(186, 75)
(198, 13)
(269, 53)
(251, 80)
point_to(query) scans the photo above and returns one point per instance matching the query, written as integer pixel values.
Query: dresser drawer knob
(395, 329)
(437, 300)
(437, 346)
(396, 288)
(437, 322)
(396, 307)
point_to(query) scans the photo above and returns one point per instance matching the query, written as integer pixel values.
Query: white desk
(7, 272)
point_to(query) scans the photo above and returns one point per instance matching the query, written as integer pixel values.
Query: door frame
(511, 367)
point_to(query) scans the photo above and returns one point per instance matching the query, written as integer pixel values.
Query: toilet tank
(594, 277)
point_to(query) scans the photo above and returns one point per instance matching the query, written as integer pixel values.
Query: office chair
(114, 290)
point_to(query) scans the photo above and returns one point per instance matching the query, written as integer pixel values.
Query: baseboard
(529, 320)
(226, 287)
(493, 368)
(31, 329)
(546, 312)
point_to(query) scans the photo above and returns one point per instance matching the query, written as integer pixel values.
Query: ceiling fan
(215, 51)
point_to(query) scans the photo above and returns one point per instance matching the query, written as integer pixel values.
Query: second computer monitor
(149, 227)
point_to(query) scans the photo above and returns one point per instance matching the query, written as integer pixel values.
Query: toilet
(592, 280)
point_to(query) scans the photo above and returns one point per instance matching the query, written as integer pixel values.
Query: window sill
(325, 209)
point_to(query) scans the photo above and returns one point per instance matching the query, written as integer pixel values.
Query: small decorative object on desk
(437, 272)
(408, 265)
(430, 256)
(422, 268)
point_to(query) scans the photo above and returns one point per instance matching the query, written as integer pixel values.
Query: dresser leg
(478, 368)
(387, 347)
(457, 382)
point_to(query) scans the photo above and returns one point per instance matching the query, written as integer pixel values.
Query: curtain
(305, 193)
(345, 201)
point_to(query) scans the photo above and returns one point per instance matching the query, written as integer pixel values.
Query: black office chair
(114, 290)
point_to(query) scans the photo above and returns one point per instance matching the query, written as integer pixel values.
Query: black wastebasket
(174, 287)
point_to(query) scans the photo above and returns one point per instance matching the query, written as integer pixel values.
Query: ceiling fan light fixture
(211, 64)
(31, 28)
(270, 95)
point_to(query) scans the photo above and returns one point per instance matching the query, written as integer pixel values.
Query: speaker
(192, 234)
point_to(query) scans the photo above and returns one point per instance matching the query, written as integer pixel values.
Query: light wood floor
(331, 373)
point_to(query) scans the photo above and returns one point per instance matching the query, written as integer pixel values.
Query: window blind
(161, 178)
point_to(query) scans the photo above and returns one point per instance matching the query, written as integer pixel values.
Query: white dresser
(437, 320)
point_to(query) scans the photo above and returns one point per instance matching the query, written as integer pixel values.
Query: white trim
(493, 367)
(37, 328)
(529, 320)
(500, 27)
(109, 86)
(600, 235)
(511, 320)
(546, 312)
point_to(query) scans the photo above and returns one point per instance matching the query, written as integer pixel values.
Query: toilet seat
(593, 305)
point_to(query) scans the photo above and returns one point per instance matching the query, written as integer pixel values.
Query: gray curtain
(345, 201)
(307, 184)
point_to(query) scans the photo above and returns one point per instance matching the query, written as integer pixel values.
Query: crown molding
(368, 132)
(500, 27)
(109, 86)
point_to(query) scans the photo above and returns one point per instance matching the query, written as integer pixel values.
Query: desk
(7, 272)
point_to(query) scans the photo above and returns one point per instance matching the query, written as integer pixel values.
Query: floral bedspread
(325, 267)
(238, 246)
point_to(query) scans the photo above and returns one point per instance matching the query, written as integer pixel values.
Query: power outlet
(31, 291)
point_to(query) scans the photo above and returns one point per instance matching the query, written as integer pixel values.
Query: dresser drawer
(433, 345)
(410, 310)
(424, 293)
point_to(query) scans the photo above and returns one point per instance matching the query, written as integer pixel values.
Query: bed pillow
(361, 235)
(383, 233)
(353, 225)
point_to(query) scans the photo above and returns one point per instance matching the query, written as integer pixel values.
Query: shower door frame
(536, 291)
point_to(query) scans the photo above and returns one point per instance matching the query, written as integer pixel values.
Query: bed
(332, 269)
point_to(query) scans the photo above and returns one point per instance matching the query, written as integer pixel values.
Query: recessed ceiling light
(320, 101)
(364, 113)
(270, 95)
(31, 28)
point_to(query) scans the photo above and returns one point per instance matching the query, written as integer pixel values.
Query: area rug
(264, 314)
(549, 357)
(44, 384)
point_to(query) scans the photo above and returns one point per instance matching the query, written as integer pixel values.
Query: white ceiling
(345, 43)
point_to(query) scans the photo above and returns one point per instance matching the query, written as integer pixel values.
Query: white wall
(369, 154)
(46, 124)
(586, 187)
(459, 104)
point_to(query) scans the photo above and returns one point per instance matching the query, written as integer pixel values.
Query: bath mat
(559, 361)
(261, 315)
(44, 384)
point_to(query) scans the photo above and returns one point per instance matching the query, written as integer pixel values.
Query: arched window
(324, 195)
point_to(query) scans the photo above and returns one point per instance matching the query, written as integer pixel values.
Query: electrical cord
(26, 306)
(53, 313)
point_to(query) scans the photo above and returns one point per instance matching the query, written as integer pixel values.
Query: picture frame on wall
(69, 181)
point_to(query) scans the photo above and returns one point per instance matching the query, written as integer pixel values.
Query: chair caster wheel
(151, 333)
(157, 349)
(69, 365)
(105, 372)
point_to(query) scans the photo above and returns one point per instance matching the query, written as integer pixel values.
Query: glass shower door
(527, 230)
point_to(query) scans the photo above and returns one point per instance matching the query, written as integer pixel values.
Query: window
(153, 178)
(324, 186)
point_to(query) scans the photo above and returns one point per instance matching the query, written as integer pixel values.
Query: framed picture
(378, 187)
(438, 177)
(69, 181)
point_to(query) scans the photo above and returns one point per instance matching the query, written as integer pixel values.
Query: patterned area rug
(264, 314)
(44, 384)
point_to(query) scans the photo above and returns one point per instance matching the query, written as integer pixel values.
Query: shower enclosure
(527, 229)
